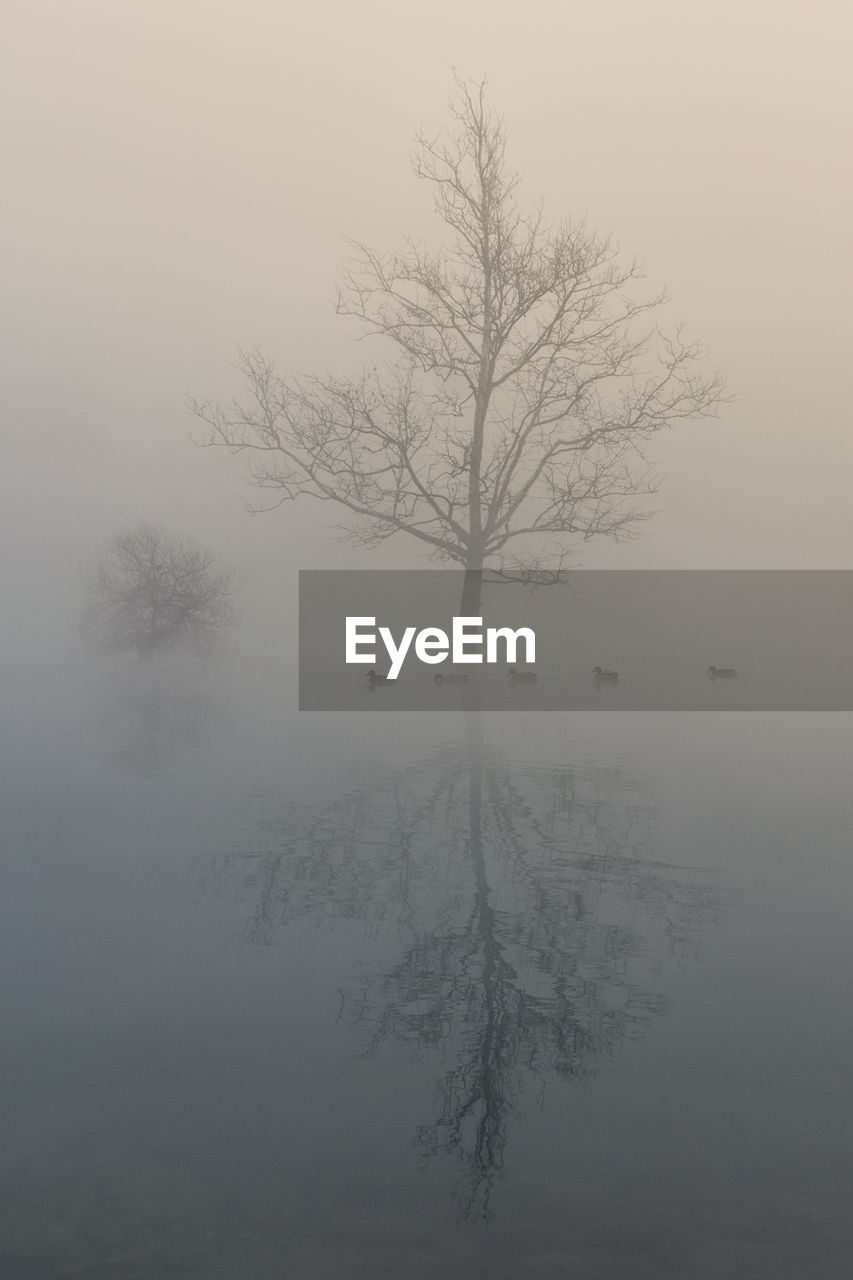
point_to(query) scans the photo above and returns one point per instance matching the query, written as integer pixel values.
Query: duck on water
(521, 677)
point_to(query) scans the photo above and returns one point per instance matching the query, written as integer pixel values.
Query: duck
(605, 677)
(450, 677)
(721, 673)
(374, 678)
(521, 677)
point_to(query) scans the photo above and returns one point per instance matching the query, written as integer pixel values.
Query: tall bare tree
(150, 591)
(525, 376)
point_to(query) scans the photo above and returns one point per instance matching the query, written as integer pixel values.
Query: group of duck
(530, 677)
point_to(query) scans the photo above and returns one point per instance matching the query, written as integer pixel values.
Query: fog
(258, 960)
(180, 180)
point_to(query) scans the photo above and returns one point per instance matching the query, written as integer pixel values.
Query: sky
(180, 177)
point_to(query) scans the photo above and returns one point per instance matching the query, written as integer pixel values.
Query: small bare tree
(149, 591)
(526, 378)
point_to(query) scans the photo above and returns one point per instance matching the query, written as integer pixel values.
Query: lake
(510, 994)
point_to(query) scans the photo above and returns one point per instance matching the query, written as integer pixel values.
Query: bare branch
(149, 591)
(526, 376)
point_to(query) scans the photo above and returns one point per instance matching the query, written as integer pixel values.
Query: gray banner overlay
(699, 640)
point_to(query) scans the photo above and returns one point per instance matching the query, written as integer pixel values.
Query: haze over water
(395, 994)
(336, 995)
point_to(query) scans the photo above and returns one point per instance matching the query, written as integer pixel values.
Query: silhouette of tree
(533, 923)
(526, 378)
(150, 591)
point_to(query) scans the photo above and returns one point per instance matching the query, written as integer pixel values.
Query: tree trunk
(472, 591)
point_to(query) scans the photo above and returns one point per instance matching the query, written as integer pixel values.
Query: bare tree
(526, 377)
(150, 591)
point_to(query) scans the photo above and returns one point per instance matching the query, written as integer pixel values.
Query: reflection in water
(167, 711)
(533, 923)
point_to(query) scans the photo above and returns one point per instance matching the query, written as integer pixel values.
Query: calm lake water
(317, 996)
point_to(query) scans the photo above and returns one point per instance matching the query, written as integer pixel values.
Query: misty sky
(178, 180)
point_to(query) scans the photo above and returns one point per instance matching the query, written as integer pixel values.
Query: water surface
(346, 996)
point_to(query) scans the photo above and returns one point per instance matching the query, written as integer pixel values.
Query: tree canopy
(150, 591)
(520, 378)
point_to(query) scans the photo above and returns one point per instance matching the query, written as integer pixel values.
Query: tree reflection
(530, 920)
(161, 715)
